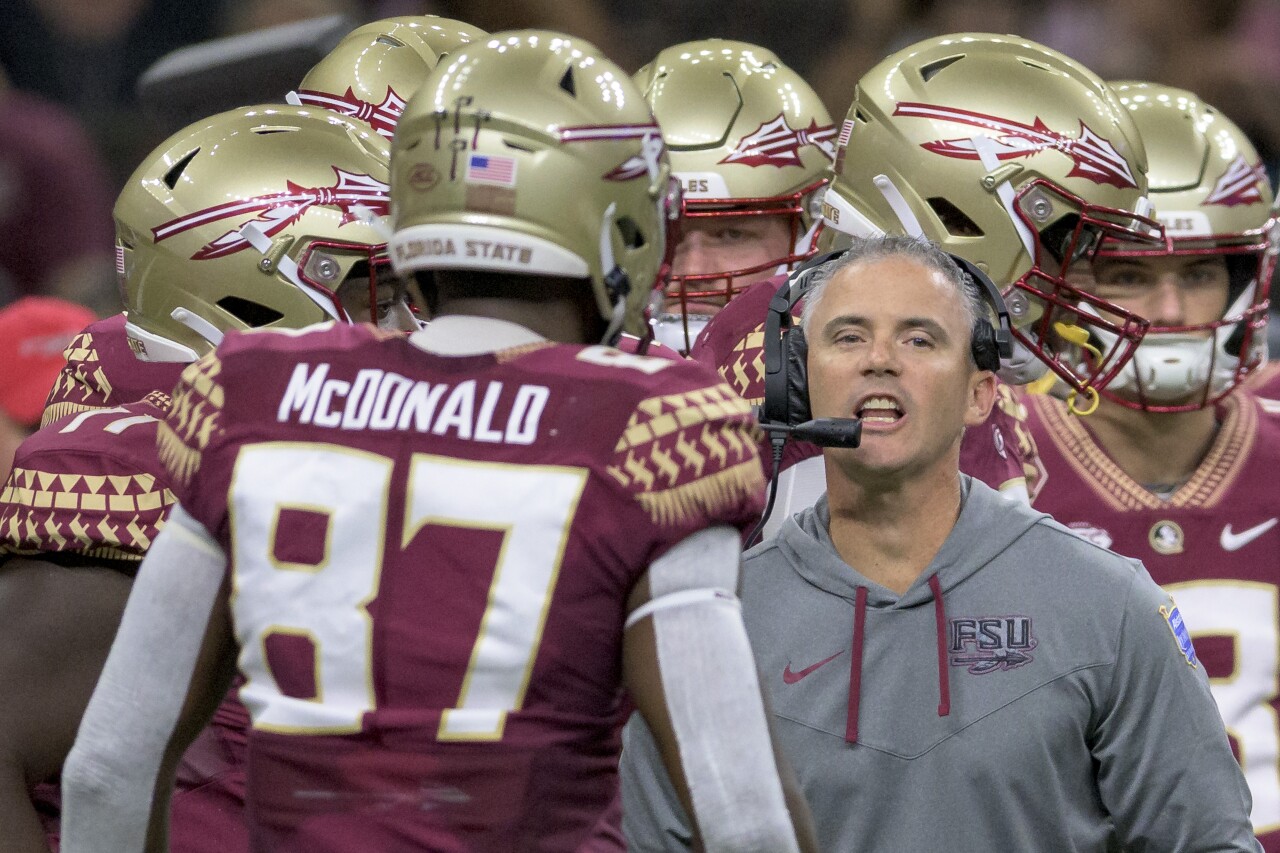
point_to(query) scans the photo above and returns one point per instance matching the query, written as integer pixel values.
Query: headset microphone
(824, 432)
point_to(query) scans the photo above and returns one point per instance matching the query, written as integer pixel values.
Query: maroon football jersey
(101, 372)
(90, 487)
(1265, 381)
(1000, 452)
(1213, 544)
(431, 557)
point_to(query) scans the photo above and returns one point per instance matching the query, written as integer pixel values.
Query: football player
(376, 68)
(1174, 468)
(751, 145)
(450, 551)
(368, 75)
(245, 219)
(1016, 158)
(942, 141)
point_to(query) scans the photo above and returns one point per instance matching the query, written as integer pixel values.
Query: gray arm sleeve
(1165, 769)
(110, 775)
(652, 817)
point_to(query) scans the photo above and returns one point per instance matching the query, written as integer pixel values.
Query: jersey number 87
(326, 601)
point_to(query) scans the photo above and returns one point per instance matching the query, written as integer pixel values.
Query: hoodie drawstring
(855, 665)
(855, 660)
(940, 617)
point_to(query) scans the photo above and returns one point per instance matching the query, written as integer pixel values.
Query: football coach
(949, 670)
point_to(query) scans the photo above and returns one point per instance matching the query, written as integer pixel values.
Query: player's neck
(891, 531)
(1152, 448)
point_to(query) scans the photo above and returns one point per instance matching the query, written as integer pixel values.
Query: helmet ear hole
(956, 221)
(252, 314)
(632, 237)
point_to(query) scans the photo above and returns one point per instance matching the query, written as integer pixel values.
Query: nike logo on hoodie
(791, 677)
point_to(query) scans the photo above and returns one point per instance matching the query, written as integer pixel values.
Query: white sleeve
(110, 776)
(713, 696)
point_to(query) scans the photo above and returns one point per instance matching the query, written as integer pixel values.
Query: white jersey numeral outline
(118, 426)
(326, 602)
(1249, 613)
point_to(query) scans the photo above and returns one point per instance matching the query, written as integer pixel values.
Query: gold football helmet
(250, 218)
(747, 136)
(531, 153)
(1014, 157)
(376, 68)
(1214, 199)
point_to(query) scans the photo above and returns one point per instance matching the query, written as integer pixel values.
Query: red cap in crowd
(33, 333)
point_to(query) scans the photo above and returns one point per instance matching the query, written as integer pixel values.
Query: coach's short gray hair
(923, 252)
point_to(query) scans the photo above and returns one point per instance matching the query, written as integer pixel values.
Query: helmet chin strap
(1023, 368)
(614, 278)
(805, 244)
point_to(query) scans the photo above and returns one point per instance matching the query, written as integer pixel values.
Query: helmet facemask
(1216, 203)
(675, 324)
(1180, 368)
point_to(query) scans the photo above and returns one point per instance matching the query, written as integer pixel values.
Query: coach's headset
(786, 392)
(785, 412)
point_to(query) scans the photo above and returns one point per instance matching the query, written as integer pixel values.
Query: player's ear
(981, 397)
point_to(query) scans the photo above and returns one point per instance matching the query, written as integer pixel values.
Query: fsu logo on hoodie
(990, 643)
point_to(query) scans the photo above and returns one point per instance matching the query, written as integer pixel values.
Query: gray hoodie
(1030, 691)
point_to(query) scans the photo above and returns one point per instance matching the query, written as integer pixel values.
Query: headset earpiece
(786, 394)
(991, 343)
(797, 360)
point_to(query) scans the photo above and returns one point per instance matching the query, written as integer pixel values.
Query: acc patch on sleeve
(1173, 618)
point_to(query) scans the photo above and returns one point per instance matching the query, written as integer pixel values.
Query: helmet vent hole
(1030, 63)
(567, 83)
(388, 40)
(267, 129)
(517, 146)
(859, 116)
(175, 172)
(632, 238)
(932, 70)
(955, 220)
(252, 314)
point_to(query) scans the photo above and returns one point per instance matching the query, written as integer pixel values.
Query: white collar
(461, 335)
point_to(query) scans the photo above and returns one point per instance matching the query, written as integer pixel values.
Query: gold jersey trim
(61, 410)
(1214, 476)
(510, 354)
(709, 496)
(194, 413)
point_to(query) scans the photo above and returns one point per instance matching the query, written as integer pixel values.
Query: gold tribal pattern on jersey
(193, 419)
(682, 454)
(112, 517)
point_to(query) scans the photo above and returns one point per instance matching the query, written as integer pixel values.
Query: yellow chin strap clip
(1077, 336)
(1091, 394)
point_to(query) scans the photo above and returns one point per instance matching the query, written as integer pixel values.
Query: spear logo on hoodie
(991, 643)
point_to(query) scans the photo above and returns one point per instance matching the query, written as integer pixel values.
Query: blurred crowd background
(76, 127)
